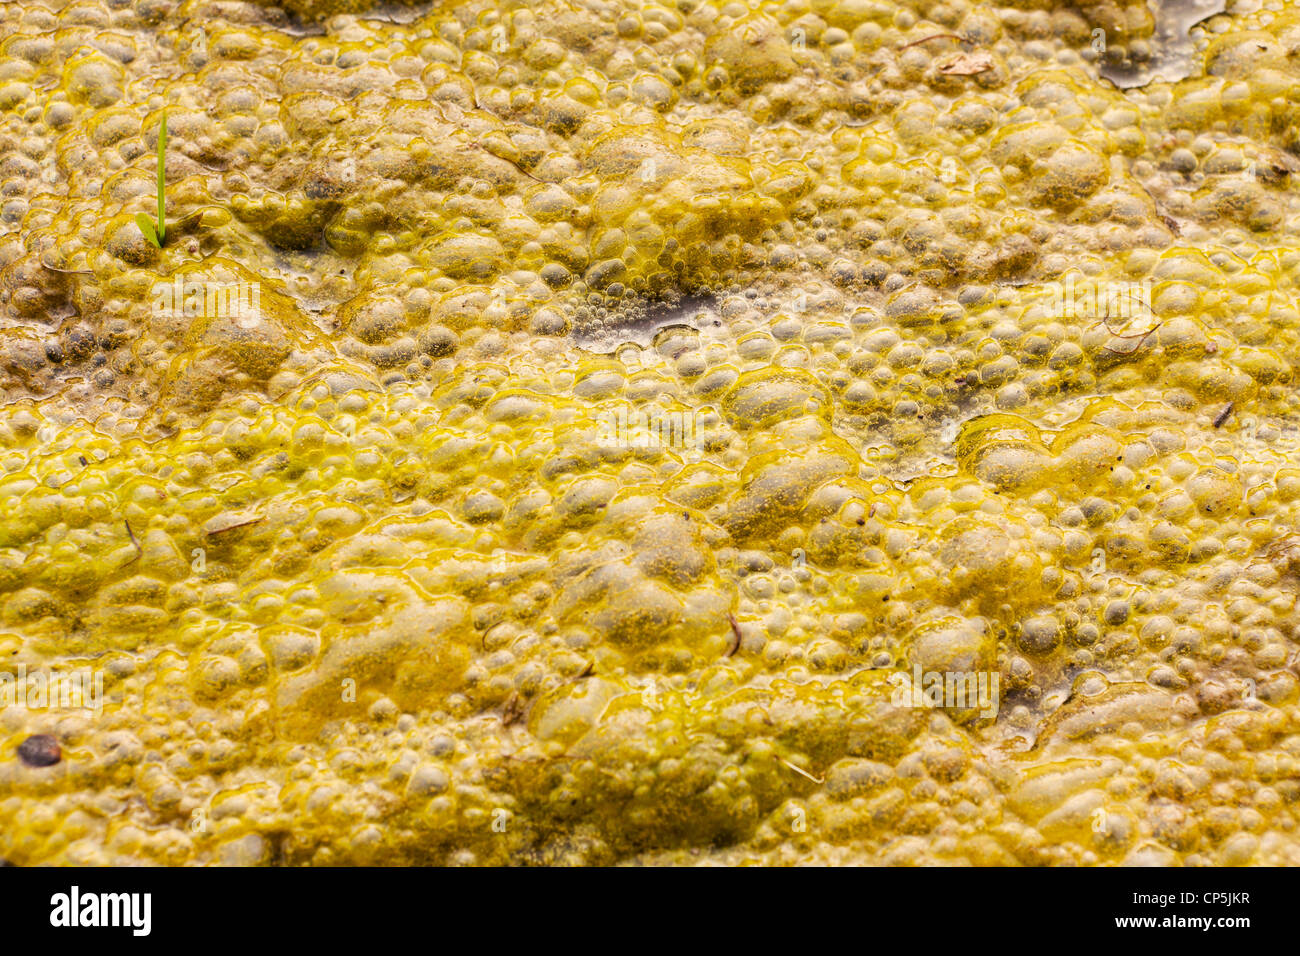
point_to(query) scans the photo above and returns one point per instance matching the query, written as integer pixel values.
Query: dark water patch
(293, 23)
(1173, 53)
(399, 13)
(639, 324)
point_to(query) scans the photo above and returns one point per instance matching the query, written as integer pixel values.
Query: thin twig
(935, 36)
(1139, 344)
(232, 527)
(735, 630)
(66, 272)
(136, 544)
(801, 771)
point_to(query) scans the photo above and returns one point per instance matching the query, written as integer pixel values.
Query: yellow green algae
(368, 581)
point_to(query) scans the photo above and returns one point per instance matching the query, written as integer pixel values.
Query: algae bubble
(832, 431)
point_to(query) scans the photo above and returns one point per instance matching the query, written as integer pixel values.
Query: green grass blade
(162, 186)
(146, 227)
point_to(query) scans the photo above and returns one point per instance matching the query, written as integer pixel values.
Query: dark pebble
(40, 750)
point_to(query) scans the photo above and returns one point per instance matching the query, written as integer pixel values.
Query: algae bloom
(820, 431)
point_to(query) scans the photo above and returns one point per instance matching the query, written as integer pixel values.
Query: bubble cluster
(639, 403)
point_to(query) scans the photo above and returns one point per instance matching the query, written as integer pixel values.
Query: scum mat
(613, 432)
